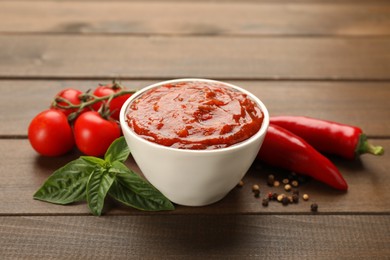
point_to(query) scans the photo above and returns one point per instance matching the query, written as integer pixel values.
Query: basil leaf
(118, 151)
(93, 160)
(67, 184)
(99, 183)
(133, 191)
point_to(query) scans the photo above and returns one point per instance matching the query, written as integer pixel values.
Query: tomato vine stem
(87, 100)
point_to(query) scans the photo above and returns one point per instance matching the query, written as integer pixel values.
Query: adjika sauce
(194, 115)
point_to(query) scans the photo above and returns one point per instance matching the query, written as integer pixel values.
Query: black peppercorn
(295, 198)
(270, 180)
(285, 201)
(265, 202)
(314, 207)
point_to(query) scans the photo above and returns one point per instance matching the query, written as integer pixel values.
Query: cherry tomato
(50, 133)
(71, 95)
(94, 134)
(115, 104)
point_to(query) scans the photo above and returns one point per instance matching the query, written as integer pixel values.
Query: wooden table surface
(319, 58)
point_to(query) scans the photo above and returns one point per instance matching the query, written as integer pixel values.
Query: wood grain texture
(322, 58)
(195, 237)
(22, 172)
(363, 2)
(364, 104)
(172, 57)
(194, 18)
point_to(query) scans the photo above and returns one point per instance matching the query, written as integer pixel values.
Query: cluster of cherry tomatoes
(89, 121)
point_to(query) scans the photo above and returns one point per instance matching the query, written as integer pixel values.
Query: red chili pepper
(329, 137)
(281, 148)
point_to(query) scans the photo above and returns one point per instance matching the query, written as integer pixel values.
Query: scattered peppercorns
(289, 184)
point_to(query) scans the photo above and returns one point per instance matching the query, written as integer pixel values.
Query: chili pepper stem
(365, 147)
(372, 149)
(375, 150)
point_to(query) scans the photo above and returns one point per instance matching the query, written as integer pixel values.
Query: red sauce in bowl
(194, 115)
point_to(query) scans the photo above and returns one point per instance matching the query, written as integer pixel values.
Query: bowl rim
(262, 131)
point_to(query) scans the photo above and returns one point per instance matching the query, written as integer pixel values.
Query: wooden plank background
(368, 179)
(363, 103)
(326, 59)
(196, 237)
(195, 18)
(46, 56)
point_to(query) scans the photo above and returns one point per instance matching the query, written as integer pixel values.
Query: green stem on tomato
(90, 99)
(93, 99)
(104, 110)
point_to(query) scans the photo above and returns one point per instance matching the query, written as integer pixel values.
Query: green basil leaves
(90, 178)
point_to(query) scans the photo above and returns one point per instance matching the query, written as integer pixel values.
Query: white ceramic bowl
(193, 177)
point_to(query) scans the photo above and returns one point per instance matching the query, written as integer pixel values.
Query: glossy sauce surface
(194, 115)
